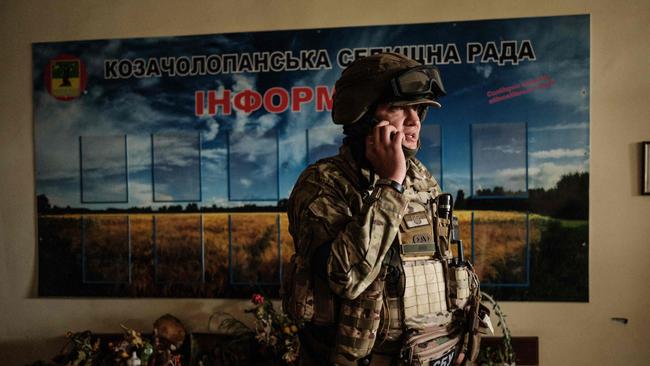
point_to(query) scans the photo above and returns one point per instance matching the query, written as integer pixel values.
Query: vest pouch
(434, 346)
(459, 291)
(298, 291)
(443, 232)
(359, 322)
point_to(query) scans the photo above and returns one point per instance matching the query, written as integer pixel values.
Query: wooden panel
(526, 349)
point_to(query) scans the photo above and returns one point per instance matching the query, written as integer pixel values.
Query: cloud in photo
(484, 70)
(546, 175)
(559, 153)
(511, 179)
(560, 127)
(503, 149)
(175, 150)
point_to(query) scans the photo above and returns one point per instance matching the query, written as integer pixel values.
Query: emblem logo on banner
(65, 77)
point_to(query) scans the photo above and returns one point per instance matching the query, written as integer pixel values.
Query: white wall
(570, 334)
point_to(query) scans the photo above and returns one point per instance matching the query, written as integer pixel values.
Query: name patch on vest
(416, 231)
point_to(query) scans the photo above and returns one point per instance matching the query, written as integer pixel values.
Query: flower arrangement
(81, 348)
(275, 334)
(275, 331)
(132, 342)
(86, 349)
(129, 348)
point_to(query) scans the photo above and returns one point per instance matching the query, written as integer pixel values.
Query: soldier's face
(405, 119)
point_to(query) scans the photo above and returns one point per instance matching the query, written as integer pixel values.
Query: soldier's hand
(384, 151)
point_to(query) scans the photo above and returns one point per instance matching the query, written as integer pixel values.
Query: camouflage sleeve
(358, 251)
(359, 241)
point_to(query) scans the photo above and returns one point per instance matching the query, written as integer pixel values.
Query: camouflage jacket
(334, 203)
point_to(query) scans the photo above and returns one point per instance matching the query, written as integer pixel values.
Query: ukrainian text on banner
(163, 165)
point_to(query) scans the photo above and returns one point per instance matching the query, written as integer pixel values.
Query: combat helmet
(384, 78)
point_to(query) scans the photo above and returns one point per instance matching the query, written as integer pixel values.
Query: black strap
(356, 343)
(359, 323)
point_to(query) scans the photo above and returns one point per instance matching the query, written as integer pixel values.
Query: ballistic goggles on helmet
(384, 78)
(418, 82)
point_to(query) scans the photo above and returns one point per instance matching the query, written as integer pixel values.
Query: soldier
(373, 277)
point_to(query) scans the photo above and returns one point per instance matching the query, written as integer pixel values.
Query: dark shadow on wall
(27, 351)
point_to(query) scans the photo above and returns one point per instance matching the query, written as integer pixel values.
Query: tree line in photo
(568, 200)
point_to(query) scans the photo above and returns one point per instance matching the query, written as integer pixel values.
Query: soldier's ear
(362, 127)
(422, 111)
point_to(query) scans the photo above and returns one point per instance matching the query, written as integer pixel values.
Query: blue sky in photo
(176, 167)
(268, 151)
(430, 153)
(499, 156)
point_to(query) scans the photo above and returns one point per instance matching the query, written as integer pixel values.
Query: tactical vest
(426, 306)
(424, 299)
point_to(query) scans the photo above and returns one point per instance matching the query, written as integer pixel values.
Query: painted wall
(570, 334)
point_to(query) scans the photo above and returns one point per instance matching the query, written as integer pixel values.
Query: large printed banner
(163, 165)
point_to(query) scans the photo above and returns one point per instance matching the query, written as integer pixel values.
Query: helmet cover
(365, 81)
